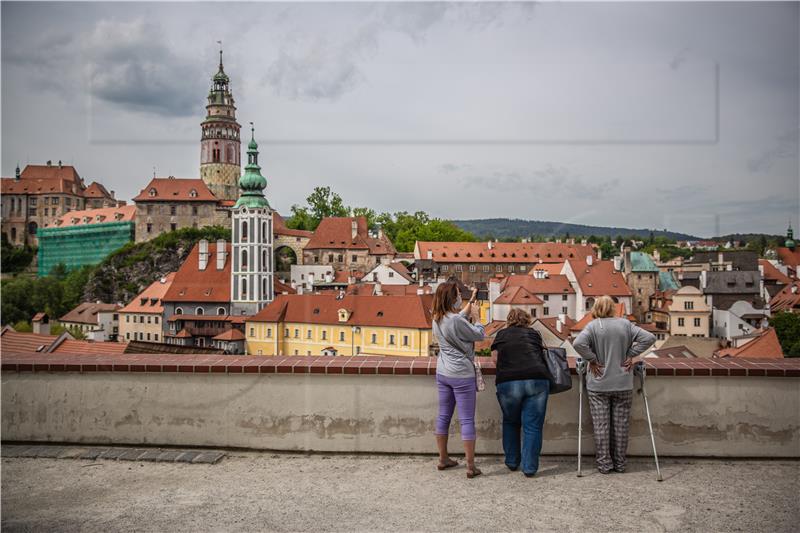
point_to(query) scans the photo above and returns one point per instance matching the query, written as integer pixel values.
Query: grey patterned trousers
(611, 415)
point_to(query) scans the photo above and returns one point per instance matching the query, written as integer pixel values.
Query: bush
(14, 259)
(787, 327)
(23, 327)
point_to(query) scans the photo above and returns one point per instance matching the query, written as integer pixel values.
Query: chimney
(589, 259)
(222, 253)
(720, 257)
(584, 242)
(430, 254)
(353, 228)
(703, 279)
(59, 163)
(559, 323)
(794, 289)
(378, 289)
(420, 291)
(617, 263)
(626, 257)
(203, 257)
(490, 244)
(16, 173)
(112, 194)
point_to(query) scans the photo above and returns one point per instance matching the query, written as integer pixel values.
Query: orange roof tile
(502, 252)
(281, 287)
(766, 346)
(551, 268)
(599, 279)
(279, 228)
(789, 257)
(97, 190)
(75, 347)
(44, 179)
(14, 341)
(149, 300)
(555, 284)
(175, 190)
(772, 273)
(365, 310)
(230, 335)
(517, 296)
(337, 233)
(86, 312)
(788, 299)
(550, 323)
(191, 284)
(619, 312)
(126, 213)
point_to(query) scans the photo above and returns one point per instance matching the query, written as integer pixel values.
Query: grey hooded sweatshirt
(610, 341)
(456, 336)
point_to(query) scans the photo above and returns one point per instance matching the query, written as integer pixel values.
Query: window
(688, 305)
(391, 274)
(681, 322)
(308, 334)
(155, 337)
(697, 322)
(546, 310)
(340, 258)
(563, 310)
(341, 336)
(533, 312)
(244, 231)
(286, 332)
(330, 258)
(244, 259)
(324, 335)
(563, 297)
(173, 227)
(374, 338)
(472, 268)
(405, 340)
(46, 211)
(173, 210)
(155, 319)
(354, 258)
(269, 333)
(486, 268)
(149, 228)
(498, 268)
(252, 332)
(511, 268)
(128, 336)
(127, 318)
(444, 268)
(358, 350)
(178, 311)
(459, 268)
(297, 334)
(391, 339)
(244, 289)
(198, 311)
(194, 208)
(148, 336)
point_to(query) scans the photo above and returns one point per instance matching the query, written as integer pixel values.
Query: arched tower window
(263, 288)
(244, 289)
(244, 231)
(263, 260)
(264, 232)
(199, 311)
(229, 157)
(244, 259)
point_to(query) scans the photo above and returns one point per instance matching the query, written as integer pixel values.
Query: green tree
(787, 327)
(14, 259)
(324, 203)
(23, 326)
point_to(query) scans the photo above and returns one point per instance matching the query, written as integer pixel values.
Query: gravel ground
(281, 492)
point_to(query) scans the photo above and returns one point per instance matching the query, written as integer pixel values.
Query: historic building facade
(220, 148)
(252, 274)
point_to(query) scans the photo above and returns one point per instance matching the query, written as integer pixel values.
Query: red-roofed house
(788, 299)
(36, 197)
(313, 324)
(591, 279)
(475, 262)
(389, 274)
(97, 320)
(346, 243)
(555, 292)
(168, 204)
(762, 345)
(141, 319)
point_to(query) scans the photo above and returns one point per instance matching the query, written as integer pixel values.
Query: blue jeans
(523, 403)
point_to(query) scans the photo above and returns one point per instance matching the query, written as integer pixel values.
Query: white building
(97, 321)
(389, 274)
(252, 268)
(740, 319)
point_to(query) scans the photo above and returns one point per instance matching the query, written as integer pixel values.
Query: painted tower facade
(252, 268)
(220, 148)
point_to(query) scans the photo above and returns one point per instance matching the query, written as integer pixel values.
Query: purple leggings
(456, 392)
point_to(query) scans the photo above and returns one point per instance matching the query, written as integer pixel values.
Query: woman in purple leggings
(456, 331)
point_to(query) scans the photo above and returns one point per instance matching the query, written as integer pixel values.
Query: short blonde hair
(603, 307)
(519, 318)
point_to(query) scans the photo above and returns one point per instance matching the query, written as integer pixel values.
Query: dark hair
(518, 318)
(444, 300)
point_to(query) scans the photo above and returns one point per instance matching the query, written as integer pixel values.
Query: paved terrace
(252, 491)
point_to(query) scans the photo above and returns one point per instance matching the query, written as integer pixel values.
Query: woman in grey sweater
(456, 330)
(612, 347)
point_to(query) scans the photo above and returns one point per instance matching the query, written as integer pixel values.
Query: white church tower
(252, 269)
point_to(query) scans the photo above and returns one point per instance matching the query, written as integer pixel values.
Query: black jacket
(520, 355)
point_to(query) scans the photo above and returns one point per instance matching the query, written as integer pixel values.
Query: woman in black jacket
(523, 383)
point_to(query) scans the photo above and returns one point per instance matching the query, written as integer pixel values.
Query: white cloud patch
(550, 181)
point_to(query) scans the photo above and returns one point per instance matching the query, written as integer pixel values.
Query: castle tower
(252, 269)
(220, 148)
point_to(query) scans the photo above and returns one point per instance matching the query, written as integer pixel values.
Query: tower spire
(220, 54)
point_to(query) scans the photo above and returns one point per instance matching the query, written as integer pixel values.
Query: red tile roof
(126, 213)
(38, 317)
(44, 179)
(401, 269)
(365, 310)
(555, 284)
(86, 313)
(493, 327)
(789, 257)
(772, 273)
(390, 290)
(517, 296)
(97, 190)
(502, 252)
(675, 352)
(230, 335)
(551, 268)
(788, 299)
(551, 324)
(599, 279)
(337, 233)
(279, 228)
(75, 347)
(14, 341)
(766, 346)
(619, 312)
(175, 190)
(281, 287)
(149, 300)
(191, 284)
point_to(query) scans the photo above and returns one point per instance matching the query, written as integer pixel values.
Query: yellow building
(327, 324)
(689, 314)
(140, 320)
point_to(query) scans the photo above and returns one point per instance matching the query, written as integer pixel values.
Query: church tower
(220, 149)
(252, 269)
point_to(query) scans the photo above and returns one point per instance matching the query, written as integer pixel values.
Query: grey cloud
(683, 192)
(551, 181)
(785, 148)
(450, 168)
(314, 67)
(133, 66)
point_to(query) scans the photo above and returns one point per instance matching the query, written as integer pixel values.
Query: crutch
(640, 370)
(580, 368)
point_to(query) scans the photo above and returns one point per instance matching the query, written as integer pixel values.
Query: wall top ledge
(425, 366)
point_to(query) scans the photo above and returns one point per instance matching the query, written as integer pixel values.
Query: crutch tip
(660, 478)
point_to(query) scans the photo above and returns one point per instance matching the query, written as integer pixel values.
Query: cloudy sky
(682, 115)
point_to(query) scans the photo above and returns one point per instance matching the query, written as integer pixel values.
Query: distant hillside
(501, 228)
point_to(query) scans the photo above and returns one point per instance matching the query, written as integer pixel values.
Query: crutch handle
(580, 365)
(639, 369)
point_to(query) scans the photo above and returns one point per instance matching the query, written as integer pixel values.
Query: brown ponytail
(444, 300)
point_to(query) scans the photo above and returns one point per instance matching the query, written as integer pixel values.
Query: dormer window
(344, 315)
(152, 192)
(193, 193)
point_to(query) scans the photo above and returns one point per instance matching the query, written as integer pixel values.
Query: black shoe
(604, 471)
(512, 468)
(529, 475)
(619, 470)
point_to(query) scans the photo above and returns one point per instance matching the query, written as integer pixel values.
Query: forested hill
(502, 228)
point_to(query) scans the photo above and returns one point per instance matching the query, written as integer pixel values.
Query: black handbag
(560, 379)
